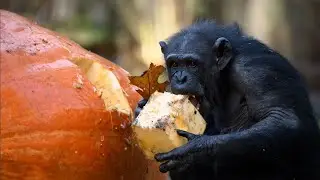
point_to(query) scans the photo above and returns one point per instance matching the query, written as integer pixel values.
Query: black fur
(260, 121)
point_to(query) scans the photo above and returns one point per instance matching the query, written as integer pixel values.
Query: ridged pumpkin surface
(65, 112)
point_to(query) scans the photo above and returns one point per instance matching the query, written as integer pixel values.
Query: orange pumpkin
(65, 112)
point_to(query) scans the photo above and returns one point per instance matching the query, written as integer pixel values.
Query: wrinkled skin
(260, 121)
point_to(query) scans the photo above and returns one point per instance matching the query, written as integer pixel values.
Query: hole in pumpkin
(106, 83)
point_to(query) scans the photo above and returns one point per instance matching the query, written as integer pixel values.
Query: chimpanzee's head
(194, 53)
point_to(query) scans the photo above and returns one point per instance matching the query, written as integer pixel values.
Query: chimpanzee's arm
(266, 140)
(273, 91)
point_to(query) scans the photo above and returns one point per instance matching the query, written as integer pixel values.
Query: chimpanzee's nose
(181, 77)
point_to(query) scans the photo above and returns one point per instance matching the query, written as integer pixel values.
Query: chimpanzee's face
(184, 72)
(187, 59)
(193, 62)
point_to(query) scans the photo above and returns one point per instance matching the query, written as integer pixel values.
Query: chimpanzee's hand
(198, 150)
(141, 104)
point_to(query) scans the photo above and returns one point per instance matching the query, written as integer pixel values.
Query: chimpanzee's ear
(222, 50)
(235, 28)
(163, 46)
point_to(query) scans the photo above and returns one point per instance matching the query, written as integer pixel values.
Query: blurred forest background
(127, 32)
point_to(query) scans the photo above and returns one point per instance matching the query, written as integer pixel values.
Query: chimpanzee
(260, 124)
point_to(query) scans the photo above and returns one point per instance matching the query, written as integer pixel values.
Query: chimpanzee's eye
(174, 64)
(191, 63)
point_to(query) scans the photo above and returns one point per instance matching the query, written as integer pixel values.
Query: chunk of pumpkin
(155, 127)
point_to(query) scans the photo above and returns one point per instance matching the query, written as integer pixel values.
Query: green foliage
(81, 30)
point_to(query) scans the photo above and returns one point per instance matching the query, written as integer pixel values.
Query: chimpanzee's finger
(164, 156)
(137, 112)
(174, 154)
(169, 165)
(186, 134)
(142, 103)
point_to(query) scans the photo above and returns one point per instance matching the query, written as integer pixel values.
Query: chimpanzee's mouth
(195, 100)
